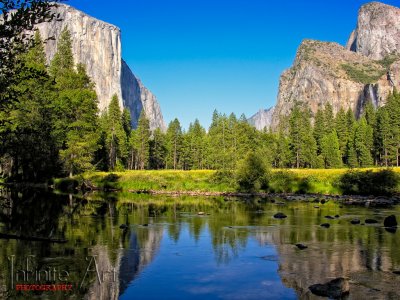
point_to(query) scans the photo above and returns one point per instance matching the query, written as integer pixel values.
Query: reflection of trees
(92, 228)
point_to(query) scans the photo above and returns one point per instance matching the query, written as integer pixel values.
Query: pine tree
(343, 133)
(174, 144)
(63, 60)
(143, 140)
(196, 142)
(27, 138)
(302, 141)
(82, 135)
(383, 135)
(158, 150)
(319, 128)
(116, 142)
(126, 121)
(363, 140)
(330, 151)
(393, 107)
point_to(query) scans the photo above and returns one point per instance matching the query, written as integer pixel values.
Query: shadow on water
(194, 247)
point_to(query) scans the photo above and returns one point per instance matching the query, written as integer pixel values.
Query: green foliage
(302, 142)
(384, 182)
(330, 151)
(142, 142)
(63, 60)
(223, 177)
(364, 73)
(388, 60)
(17, 17)
(252, 173)
(116, 141)
(283, 182)
(174, 144)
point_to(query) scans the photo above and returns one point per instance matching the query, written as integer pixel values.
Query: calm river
(165, 249)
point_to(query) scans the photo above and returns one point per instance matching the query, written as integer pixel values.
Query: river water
(167, 250)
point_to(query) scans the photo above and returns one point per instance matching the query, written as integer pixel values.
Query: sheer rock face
(97, 45)
(346, 77)
(378, 31)
(262, 119)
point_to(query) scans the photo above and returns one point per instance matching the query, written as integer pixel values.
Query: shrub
(252, 173)
(381, 183)
(110, 182)
(283, 182)
(223, 177)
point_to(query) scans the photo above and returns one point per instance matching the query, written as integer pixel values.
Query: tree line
(54, 128)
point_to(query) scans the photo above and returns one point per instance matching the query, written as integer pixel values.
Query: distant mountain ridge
(97, 45)
(262, 119)
(366, 70)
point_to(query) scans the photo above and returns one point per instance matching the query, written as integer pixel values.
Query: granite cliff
(366, 70)
(262, 119)
(97, 45)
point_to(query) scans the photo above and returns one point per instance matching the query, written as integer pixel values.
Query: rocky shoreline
(367, 201)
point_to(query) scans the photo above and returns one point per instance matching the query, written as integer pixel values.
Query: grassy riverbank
(304, 181)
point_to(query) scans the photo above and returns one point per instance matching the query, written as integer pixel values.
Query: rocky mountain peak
(97, 45)
(378, 31)
(366, 70)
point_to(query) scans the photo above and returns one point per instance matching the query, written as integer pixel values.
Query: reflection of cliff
(369, 267)
(143, 246)
(108, 289)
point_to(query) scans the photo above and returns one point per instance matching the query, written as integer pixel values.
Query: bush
(223, 177)
(252, 173)
(283, 182)
(110, 182)
(381, 183)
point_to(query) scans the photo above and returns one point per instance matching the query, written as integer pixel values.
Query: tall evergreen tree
(383, 135)
(174, 144)
(116, 141)
(143, 140)
(158, 150)
(393, 107)
(302, 141)
(330, 151)
(28, 138)
(343, 132)
(363, 141)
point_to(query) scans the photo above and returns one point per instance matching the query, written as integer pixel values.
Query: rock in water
(371, 221)
(326, 225)
(97, 45)
(335, 289)
(390, 221)
(301, 246)
(280, 216)
(355, 221)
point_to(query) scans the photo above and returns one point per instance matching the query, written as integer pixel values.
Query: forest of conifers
(55, 129)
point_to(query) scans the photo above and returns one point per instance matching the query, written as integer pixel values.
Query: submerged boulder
(301, 246)
(335, 289)
(390, 221)
(280, 216)
(371, 221)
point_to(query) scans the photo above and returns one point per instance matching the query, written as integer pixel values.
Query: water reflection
(236, 250)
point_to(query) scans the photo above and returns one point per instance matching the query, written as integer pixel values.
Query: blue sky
(201, 55)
